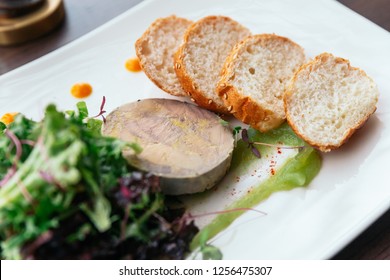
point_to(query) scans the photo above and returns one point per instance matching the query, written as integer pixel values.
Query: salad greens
(66, 192)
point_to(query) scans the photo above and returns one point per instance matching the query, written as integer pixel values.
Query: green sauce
(296, 171)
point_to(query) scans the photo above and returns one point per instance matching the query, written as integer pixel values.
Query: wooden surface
(83, 16)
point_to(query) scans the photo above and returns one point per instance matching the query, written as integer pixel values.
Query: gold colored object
(23, 28)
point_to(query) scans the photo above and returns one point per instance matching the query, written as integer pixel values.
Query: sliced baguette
(155, 50)
(200, 58)
(328, 99)
(254, 78)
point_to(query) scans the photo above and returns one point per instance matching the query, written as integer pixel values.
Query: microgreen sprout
(18, 145)
(209, 252)
(102, 111)
(256, 152)
(236, 130)
(245, 138)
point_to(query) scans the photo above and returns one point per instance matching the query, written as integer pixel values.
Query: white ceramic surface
(352, 189)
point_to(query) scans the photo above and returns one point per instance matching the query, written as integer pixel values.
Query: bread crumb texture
(254, 78)
(155, 50)
(200, 58)
(328, 99)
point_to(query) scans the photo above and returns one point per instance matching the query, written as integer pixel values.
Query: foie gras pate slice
(186, 146)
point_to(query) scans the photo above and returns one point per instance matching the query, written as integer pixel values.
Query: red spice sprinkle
(279, 150)
(272, 171)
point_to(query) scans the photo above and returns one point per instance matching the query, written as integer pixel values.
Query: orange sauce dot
(8, 118)
(133, 65)
(81, 90)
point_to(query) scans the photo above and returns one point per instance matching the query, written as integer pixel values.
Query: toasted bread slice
(200, 58)
(327, 100)
(254, 78)
(155, 50)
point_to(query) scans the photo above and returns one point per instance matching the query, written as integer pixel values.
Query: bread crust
(187, 82)
(143, 61)
(328, 148)
(244, 107)
(249, 111)
(312, 66)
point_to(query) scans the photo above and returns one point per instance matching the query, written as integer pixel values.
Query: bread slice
(155, 50)
(327, 100)
(254, 78)
(200, 58)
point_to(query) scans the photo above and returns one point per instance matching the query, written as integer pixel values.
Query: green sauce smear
(297, 171)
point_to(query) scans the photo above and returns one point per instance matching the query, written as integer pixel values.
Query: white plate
(352, 189)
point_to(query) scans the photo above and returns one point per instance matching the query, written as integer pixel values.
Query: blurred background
(80, 17)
